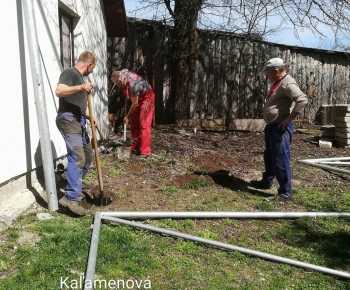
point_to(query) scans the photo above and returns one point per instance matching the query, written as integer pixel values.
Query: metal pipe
(328, 159)
(261, 255)
(90, 269)
(220, 215)
(313, 162)
(40, 103)
(335, 163)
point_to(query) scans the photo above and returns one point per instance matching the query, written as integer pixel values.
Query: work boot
(73, 206)
(277, 197)
(260, 184)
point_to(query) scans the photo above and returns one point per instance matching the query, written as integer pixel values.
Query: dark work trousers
(277, 158)
(79, 149)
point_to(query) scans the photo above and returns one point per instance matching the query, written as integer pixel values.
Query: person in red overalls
(141, 111)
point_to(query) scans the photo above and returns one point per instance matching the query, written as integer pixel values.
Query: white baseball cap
(274, 62)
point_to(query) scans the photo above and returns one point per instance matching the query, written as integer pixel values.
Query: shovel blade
(100, 200)
(123, 152)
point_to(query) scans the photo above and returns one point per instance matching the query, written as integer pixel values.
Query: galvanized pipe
(313, 162)
(220, 215)
(90, 269)
(233, 248)
(40, 103)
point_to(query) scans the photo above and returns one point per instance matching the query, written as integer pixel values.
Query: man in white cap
(284, 102)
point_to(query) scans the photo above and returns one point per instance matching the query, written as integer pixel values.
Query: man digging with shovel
(72, 92)
(141, 111)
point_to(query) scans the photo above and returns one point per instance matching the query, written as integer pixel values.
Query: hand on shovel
(126, 120)
(93, 121)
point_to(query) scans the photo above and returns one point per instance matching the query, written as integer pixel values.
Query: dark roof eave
(116, 24)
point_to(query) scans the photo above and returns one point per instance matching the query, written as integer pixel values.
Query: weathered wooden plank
(230, 82)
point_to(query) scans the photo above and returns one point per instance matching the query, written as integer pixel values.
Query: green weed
(191, 166)
(113, 172)
(169, 190)
(198, 183)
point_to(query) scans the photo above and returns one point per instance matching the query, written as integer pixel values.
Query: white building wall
(20, 147)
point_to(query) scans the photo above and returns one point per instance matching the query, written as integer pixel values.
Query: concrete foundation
(16, 197)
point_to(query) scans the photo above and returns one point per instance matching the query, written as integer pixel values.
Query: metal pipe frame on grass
(113, 216)
(220, 215)
(258, 254)
(90, 268)
(336, 161)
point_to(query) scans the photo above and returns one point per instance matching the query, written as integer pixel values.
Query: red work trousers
(140, 126)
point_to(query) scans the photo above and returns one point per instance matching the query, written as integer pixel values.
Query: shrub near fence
(231, 84)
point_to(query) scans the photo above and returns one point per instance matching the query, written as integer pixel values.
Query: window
(66, 39)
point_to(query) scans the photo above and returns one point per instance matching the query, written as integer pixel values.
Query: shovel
(124, 152)
(100, 199)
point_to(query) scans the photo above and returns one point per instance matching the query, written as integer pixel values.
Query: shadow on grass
(333, 247)
(225, 179)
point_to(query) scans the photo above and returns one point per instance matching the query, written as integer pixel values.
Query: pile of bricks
(342, 125)
(327, 136)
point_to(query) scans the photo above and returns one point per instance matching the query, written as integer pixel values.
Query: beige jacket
(286, 98)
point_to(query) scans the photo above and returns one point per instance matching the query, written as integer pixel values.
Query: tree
(251, 18)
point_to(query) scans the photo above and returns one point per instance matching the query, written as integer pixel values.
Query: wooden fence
(230, 80)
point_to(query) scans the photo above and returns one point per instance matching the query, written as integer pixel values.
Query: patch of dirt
(182, 157)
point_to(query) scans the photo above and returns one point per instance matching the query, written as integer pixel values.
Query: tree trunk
(184, 55)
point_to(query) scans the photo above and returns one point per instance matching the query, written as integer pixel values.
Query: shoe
(144, 156)
(260, 184)
(277, 197)
(72, 205)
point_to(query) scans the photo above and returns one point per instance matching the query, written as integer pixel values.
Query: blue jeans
(79, 149)
(277, 158)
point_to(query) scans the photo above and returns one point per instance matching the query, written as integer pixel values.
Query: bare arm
(134, 102)
(63, 91)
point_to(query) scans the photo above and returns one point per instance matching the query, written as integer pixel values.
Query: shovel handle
(125, 108)
(97, 157)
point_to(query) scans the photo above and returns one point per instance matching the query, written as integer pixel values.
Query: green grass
(113, 172)
(126, 253)
(169, 190)
(168, 263)
(197, 183)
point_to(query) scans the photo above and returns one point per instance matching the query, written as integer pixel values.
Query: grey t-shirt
(77, 102)
(137, 84)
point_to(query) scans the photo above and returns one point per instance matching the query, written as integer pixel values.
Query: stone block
(327, 131)
(342, 113)
(204, 124)
(345, 135)
(342, 141)
(342, 108)
(342, 119)
(325, 143)
(246, 124)
(341, 124)
(343, 129)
